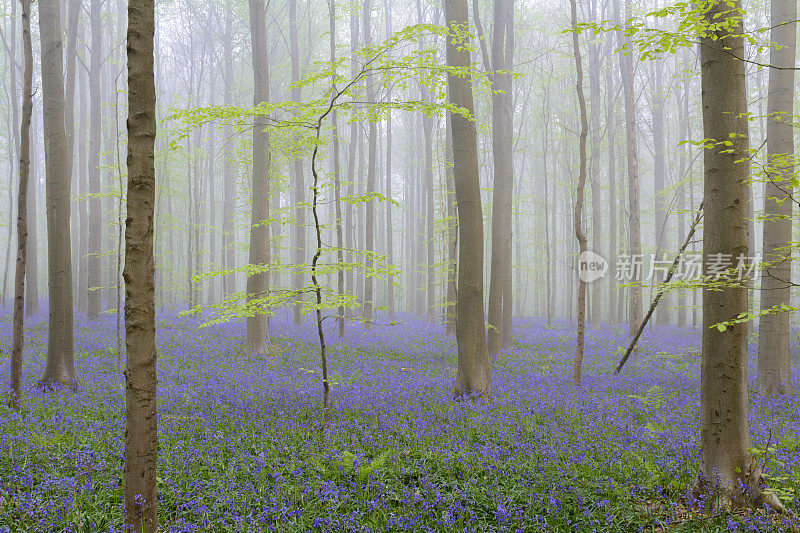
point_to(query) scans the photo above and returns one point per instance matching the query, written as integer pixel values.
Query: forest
(398, 265)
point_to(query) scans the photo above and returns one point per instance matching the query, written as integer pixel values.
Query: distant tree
(774, 358)
(60, 366)
(369, 223)
(499, 65)
(299, 178)
(474, 374)
(95, 132)
(632, 151)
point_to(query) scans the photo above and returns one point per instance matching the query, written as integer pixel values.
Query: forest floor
(246, 446)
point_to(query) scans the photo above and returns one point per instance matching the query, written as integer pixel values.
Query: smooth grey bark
(729, 476)
(611, 139)
(73, 18)
(32, 270)
(452, 232)
(258, 284)
(500, 310)
(774, 358)
(83, 207)
(228, 176)
(474, 373)
(94, 264)
(141, 428)
(369, 222)
(659, 181)
(60, 365)
(299, 179)
(632, 150)
(596, 309)
(389, 220)
(549, 270)
(337, 179)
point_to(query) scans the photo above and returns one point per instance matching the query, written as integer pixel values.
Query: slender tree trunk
(299, 179)
(73, 18)
(95, 131)
(141, 431)
(351, 170)
(634, 230)
(337, 181)
(578, 213)
(596, 308)
(612, 192)
(60, 365)
(659, 180)
(683, 168)
(474, 374)
(774, 358)
(369, 244)
(83, 203)
(502, 196)
(389, 220)
(729, 475)
(13, 132)
(32, 270)
(258, 284)
(545, 179)
(229, 187)
(452, 233)
(22, 230)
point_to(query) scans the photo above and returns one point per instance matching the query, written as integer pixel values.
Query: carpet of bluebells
(245, 445)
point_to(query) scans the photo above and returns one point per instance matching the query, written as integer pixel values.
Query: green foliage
(300, 128)
(688, 22)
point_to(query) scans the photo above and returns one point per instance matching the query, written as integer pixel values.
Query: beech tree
(729, 475)
(474, 373)
(141, 431)
(60, 366)
(258, 282)
(774, 357)
(22, 204)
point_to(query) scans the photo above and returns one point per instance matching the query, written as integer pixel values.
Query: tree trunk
(32, 270)
(83, 205)
(547, 206)
(659, 180)
(229, 177)
(73, 17)
(612, 191)
(299, 179)
(258, 284)
(369, 238)
(452, 232)
(596, 308)
(502, 157)
(337, 182)
(774, 358)
(349, 229)
(60, 366)
(474, 369)
(726, 464)
(22, 230)
(634, 229)
(95, 131)
(141, 431)
(578, 212)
